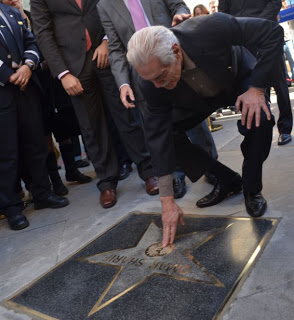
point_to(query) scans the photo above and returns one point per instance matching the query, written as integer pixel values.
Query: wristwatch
(30, 65)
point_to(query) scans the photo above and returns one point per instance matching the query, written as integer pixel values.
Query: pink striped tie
(137, 14)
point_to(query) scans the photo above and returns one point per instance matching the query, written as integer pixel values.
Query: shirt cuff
(62, 74)
(125, 84)
(166, 186)
(105, 38)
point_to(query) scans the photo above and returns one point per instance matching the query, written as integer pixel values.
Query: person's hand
(178, 18)
(126, 93)
(72, 85)
(172, 214)
(21, 77)
(101, 55)
(252, 102)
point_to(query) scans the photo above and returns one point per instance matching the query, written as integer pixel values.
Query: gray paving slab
(56, 234)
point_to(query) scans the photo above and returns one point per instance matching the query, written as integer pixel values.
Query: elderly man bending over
(187, 73)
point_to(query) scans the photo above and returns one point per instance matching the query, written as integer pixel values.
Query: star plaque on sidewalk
(126, 274)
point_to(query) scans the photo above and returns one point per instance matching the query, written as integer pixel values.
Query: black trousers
(285, 121)
(128, 123)
(21, 135)
(89, 110)
(194, 160)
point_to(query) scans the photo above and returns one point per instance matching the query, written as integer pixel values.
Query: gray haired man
(190, 71)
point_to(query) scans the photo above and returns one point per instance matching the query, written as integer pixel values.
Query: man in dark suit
(193, 69)
(120, 22)
(21, 120)
(70, 36)
(267, 9)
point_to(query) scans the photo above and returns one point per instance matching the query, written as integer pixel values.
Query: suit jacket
(208, 41)
(24, 39)
(59, 26)
(266, 9)
(119, 27)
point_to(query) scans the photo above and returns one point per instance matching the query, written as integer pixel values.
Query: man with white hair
(189, 72)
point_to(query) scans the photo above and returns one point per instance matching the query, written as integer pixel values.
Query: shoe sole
(283, 143)
(107, 206)
(153, 193)
(39, 207)
(23, 226)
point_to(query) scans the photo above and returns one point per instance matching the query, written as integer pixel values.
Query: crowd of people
(87, 67)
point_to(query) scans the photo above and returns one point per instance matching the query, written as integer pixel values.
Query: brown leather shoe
(108, 198)
(152, 186)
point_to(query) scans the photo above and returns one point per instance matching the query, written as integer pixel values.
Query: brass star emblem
(147, 259)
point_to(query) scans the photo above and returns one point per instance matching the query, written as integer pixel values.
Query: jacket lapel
(148, 10)
(120, 7)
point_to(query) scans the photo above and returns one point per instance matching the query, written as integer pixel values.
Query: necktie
(88, 39)
(137, 14)
(10, 41)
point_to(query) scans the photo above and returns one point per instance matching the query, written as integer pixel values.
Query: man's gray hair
(151, 42)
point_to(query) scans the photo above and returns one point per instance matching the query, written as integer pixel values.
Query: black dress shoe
(219, 193)
(255, 204)
(179, 185)
(124, 171)
(52, 201)
(284, 138)
(77, 176)
(17, 221)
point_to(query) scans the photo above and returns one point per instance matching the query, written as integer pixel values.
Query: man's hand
(101, 55)
(72, 85)
(171, 215)
(252, 102)
(126, 93)
(21, 77)
(178, 18)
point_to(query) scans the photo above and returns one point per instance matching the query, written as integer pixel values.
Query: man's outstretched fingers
(166, 236)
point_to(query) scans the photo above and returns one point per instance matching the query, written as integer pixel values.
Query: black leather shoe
(52, 201)
(18, 221)
(219, 193)
(77, 176)
(255, 204)
(179, 185)
(124, 171)
(284, 138)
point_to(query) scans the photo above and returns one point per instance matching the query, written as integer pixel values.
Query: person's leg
(10, 202)
(34, 149)
(194, 161)
(285, 120)
(128, 123)
(90, 114)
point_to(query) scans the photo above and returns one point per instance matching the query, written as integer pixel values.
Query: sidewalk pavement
(53, 235)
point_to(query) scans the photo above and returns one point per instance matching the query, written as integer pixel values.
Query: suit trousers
(89, 110)
(21, 135)
(194, 160)
(285, 121)
(128, 123)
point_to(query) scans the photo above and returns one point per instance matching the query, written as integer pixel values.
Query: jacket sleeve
(117, 52)
(158, 126)
(177, 7)
(44, 32)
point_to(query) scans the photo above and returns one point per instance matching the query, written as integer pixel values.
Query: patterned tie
(10, 41)
(137, 14)
(88, 39)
